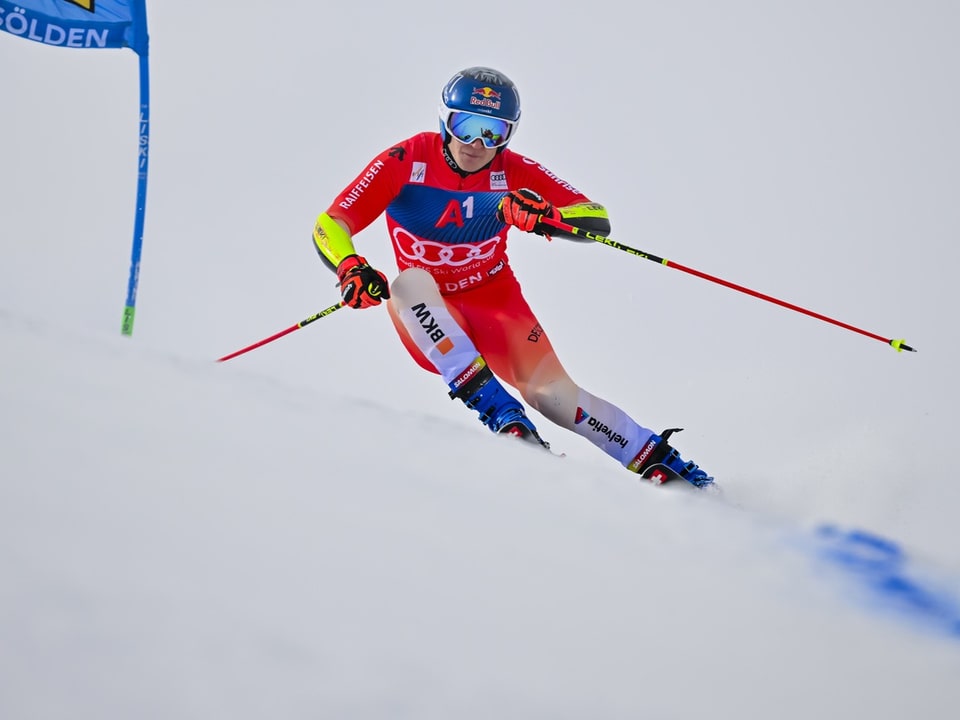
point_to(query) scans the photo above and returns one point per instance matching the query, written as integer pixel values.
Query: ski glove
(360, 285)
(523, 209)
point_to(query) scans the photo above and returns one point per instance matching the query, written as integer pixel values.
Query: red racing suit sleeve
(360, 203)
(575, 207)
(364, 199)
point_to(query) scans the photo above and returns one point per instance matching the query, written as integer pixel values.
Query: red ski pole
(322, 313)
(897, 345)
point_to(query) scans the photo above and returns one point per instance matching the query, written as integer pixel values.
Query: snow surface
(314, 530)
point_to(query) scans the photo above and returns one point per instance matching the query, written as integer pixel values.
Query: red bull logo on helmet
(486, 97)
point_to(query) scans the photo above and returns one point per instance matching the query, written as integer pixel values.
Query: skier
(450, 198)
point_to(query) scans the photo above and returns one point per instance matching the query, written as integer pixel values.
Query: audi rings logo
(436, 254)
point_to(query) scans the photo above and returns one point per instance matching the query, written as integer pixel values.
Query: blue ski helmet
(480, 103)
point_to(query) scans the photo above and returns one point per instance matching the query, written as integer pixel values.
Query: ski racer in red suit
(450, 199)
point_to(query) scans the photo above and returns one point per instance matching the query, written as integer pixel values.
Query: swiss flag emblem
(658, 477)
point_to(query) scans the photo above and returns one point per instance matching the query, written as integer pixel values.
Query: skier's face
(471, 156)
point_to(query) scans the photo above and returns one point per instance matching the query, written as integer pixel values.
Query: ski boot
(658, 462)
(480, 390)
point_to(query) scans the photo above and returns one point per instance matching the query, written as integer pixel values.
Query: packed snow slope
(185, 539)
(315, 530)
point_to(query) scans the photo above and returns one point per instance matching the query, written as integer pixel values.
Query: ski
(529, 435)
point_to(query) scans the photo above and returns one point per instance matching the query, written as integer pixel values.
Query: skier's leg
(519, 350)
(433, 333)
(436, 336)
(553, 393)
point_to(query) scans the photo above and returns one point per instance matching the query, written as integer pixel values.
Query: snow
(314, 530)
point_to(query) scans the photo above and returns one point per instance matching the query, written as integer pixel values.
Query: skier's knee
(413, 283)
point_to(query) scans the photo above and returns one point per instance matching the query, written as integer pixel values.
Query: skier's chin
(471, 159)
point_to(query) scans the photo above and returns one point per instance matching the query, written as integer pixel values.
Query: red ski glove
(523, 208)
(360, 285)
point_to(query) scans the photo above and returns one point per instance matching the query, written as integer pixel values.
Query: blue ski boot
(480, 390)
(658, 462)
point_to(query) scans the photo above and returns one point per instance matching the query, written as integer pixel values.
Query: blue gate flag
(78, 23)
(92, 25)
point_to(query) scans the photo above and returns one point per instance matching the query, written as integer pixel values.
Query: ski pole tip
(901, 345)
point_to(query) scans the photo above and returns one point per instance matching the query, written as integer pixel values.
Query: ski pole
(897, 345)
(322, 313)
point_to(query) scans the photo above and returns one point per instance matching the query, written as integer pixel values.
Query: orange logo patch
(445, 346)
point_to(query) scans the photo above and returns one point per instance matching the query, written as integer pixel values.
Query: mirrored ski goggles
(467, 127)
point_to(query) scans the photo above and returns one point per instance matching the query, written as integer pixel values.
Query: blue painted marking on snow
(884, 569)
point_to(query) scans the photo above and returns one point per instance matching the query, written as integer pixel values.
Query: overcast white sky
(315, 529)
